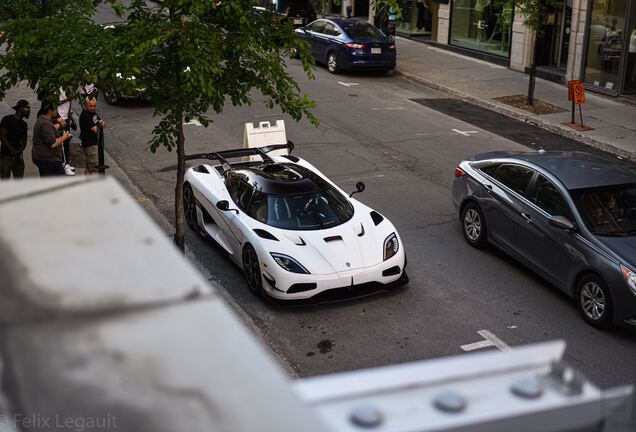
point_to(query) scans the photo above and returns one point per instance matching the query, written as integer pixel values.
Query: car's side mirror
(360, 187)
(225, 206)
(562, 222)
(300, 30)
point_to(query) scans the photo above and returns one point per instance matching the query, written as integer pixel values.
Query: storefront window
(605, 46)
(482, 25)
(630, 76)
(417, 17)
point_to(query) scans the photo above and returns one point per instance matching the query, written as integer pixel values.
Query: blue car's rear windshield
(608, 211)
(309, 211)
(362, 31)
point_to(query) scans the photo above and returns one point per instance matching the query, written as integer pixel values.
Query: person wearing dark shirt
(91, 125)
(47, 145)
(13, 140)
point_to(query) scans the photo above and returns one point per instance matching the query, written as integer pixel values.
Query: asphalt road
(406, 153)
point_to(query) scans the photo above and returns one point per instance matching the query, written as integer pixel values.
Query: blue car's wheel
(332, 63)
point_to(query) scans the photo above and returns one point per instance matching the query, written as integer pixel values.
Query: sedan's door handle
(488, 187)
(527, 217)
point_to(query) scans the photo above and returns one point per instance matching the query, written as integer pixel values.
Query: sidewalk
(478, 82)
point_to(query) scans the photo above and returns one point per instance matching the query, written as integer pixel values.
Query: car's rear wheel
(111, 97)
(332, 63)
(474, 226)
(190, 207)
(252, 269)
(594, 301)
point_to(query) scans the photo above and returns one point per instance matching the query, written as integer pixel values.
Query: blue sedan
(348, 44)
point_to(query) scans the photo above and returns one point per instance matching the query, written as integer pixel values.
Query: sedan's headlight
(288, 263)
(630, 278)
(391, 246)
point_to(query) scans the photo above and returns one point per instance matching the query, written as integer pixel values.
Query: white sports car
(294, 233)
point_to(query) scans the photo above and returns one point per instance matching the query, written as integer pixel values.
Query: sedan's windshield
(309, 211)
(609, 211)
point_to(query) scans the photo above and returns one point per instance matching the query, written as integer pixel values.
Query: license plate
(376, 50)
(298, 20)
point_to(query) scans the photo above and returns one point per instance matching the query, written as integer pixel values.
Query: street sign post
(576, 94)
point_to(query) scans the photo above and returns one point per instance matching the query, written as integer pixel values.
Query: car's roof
(279, 178)
(576, 170)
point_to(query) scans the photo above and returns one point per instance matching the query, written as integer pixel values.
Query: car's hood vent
(333, 238)
(265, 234)
(377, 217)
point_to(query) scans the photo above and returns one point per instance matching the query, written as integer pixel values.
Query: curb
(523, 116)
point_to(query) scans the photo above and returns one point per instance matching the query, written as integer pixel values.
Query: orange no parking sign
(579, 93)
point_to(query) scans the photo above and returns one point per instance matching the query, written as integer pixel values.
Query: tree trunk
(533, 70)
(179, 235)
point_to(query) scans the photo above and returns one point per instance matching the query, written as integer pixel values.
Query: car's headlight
(288, 263)
(391, 246)
(630, 278)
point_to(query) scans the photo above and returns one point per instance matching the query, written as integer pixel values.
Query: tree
(190, 56)
(534, 12)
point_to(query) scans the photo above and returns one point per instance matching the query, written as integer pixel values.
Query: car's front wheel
(252, 269)
(474, 225)
(594, 301)
(332, 63)
(189, 207)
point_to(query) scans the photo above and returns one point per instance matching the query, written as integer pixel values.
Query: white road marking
(194, 122)
(490, 340)
(512, 327)
(465, 133)
(347, 84)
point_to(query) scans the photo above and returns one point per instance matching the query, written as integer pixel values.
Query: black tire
(295, 53)
(474, 226)
(252, 270)
(111, 97)
(594, 301)
(332, 63)
(189, 207)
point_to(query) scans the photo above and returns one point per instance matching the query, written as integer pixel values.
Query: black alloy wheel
(474, 226)
(594, 301)
(332, 63)
(190, 207)
(252, 270)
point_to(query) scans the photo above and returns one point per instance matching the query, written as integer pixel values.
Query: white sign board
(265, 134)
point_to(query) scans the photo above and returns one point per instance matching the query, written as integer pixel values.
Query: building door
(361, 8)
(566, 29)
(555, 41)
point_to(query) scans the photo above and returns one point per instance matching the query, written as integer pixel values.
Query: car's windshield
(608, 211)
(309, 211)
(362, 31)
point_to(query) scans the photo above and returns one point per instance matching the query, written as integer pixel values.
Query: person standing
(13, 140)
(91, 125)
(47, 145)
(67, 123)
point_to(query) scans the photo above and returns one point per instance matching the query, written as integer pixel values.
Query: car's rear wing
(223, 155)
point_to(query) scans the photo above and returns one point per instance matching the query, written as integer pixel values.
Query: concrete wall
(522, 46)
(443, 24)
(577, 39)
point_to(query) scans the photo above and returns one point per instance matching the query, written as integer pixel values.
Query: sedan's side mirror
(225, 206)
(562, 222)
(360, 186)
(300, 30)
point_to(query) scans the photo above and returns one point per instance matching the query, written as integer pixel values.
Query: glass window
(418, 17)
(605, 43)
(482, 25)
(310, 211)
(330, 30)
(316, 26)
(358, 30)
(516, 177)
(608, 211)
(630, 76)
(548, 197)
(241, 194)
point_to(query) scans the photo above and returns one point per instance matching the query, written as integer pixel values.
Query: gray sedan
(569, 216)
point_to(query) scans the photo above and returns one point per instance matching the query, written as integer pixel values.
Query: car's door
(502, 202)
(327, 39)
(550, 249)
(312, 32)
(233, 234)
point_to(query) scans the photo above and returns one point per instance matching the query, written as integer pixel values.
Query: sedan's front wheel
(252, 269)
(594, 301)
(332, 63)
(474, 226)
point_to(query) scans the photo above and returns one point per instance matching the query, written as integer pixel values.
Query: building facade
(593, 41)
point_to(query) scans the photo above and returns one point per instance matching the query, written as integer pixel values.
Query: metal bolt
(450, 402)
(366, 416)
(527, 388)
